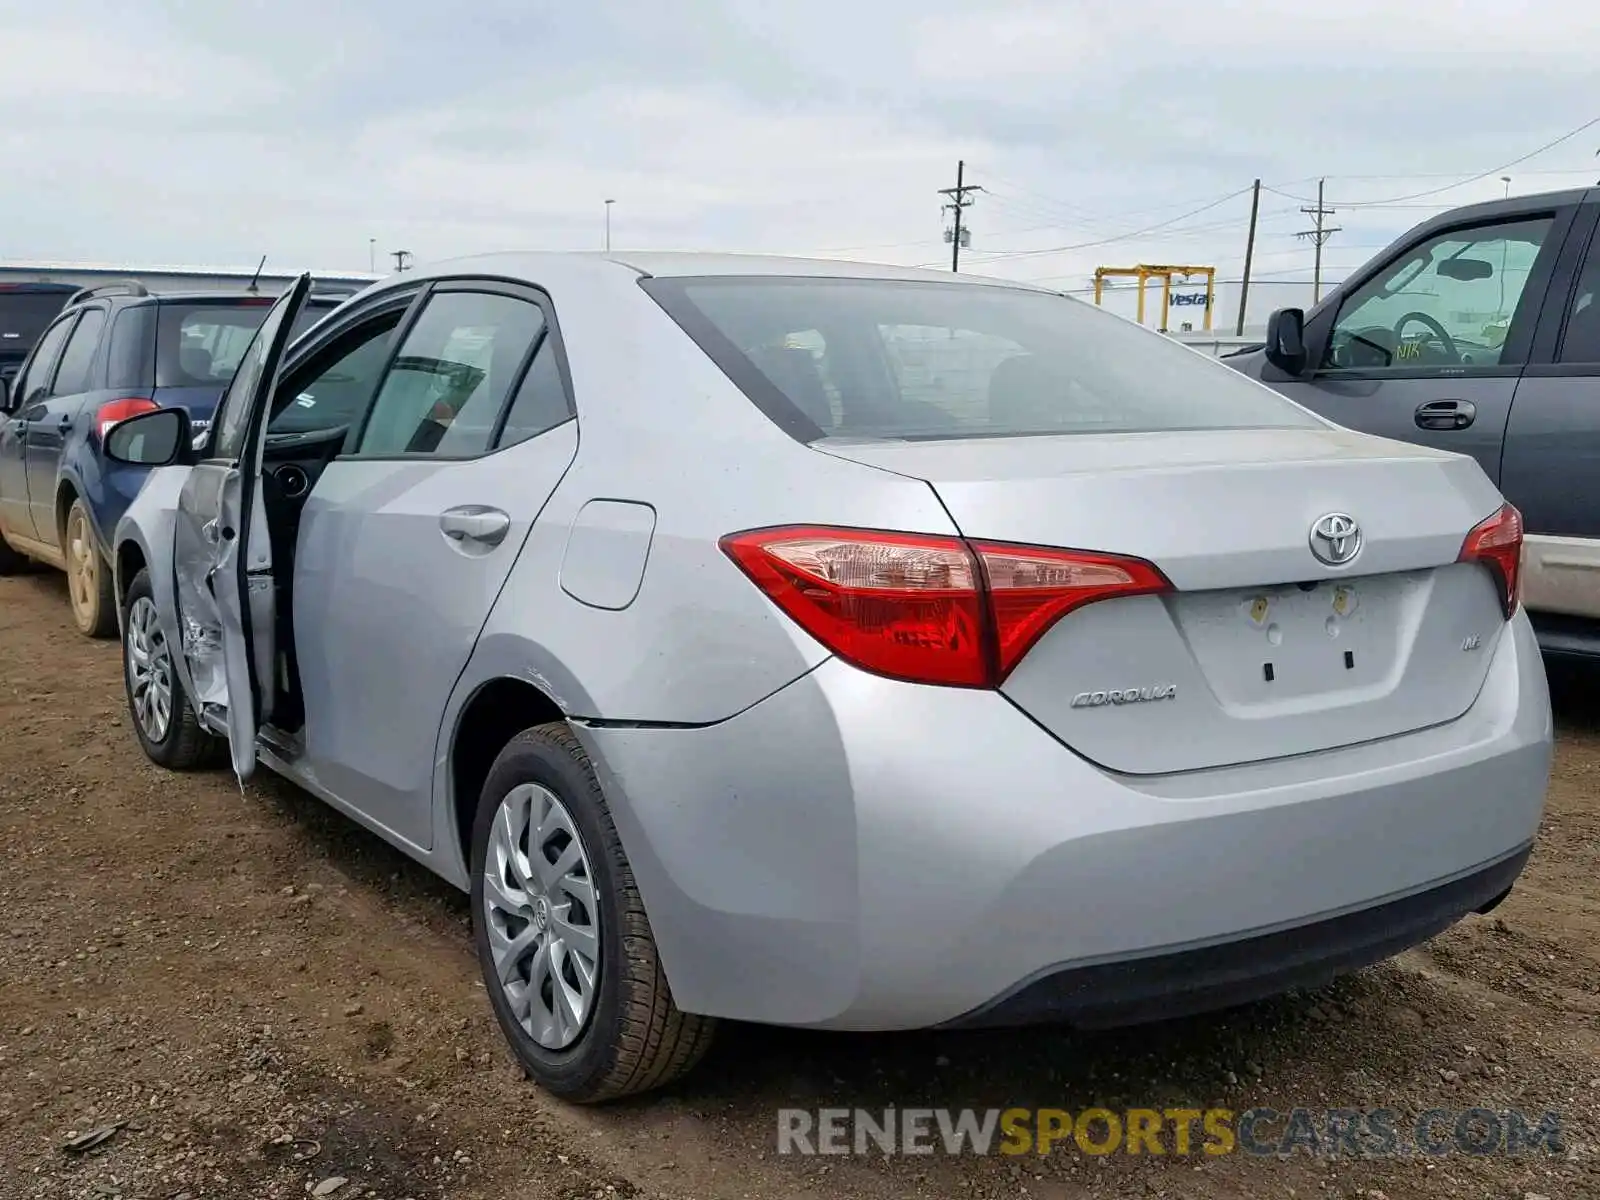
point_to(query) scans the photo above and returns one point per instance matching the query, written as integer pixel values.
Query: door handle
(20, 426)
(475, 523)
(1446, 414)
(64, 424)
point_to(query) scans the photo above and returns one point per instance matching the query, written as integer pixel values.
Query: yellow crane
(1146, 271)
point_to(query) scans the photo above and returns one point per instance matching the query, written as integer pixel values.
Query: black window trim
(1520, 334)
(493, 285)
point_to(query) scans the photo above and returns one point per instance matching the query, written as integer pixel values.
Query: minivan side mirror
(1286, 340)
(152, 439)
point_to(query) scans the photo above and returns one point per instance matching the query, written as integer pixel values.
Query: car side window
(1580, 340)
(73, 375)
(541, 402)
(1447, 303)
(43, 363)
(449, 381)
(332, 391)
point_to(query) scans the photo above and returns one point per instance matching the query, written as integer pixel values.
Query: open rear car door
(222, 554)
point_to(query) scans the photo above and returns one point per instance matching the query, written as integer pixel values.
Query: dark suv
(113, 352)
(1478, 331)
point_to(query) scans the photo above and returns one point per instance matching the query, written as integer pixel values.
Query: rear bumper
(1176, 984)
(857, 853)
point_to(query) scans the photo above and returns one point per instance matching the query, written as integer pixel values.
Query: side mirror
(153, 439)
(1286, 340)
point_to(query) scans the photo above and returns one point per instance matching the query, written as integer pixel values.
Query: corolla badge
(1138, 695)
(1335, 539)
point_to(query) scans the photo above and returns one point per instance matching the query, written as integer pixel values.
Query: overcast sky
(214, 132)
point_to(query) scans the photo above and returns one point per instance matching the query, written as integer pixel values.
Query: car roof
(1509, 207)
(531, 265)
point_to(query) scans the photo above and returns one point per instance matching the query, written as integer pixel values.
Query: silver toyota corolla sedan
(837, 646)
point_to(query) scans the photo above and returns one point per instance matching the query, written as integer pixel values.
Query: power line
(1120, 237)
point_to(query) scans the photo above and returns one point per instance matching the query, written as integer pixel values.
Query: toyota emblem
(1335, 539)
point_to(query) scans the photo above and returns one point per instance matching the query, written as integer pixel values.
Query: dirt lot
(272, 999)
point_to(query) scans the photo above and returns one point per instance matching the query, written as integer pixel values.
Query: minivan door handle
(1446, 414)
(475, 523)
(64, 424)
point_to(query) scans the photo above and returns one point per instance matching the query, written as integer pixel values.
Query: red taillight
(925, 608)
(1496, 542)
(114, 411)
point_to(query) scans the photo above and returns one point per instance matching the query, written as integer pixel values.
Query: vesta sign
(1161, 691)
(1189, 299)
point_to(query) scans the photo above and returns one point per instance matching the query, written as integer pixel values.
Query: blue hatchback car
(112, 353)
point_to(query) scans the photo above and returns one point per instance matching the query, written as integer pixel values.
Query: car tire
(90, 586)
(179, 742)
(631, 1037)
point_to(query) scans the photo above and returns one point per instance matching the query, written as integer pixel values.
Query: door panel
(1551, 467)
(32, 391)
(397, 567)
(58, 418)
(1398, 408)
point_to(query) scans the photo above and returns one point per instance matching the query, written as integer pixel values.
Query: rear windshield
(914, 360)
(24, 315)
(200, 344)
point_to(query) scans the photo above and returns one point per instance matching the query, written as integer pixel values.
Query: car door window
(332, 391)
(1448, 303)
(42, 365)
(1580, 340)
(449, 381)
(73, 375)
(541, 402)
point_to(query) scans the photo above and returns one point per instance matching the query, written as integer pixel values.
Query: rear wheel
(163, 719)
(89, 583)
(565, 947)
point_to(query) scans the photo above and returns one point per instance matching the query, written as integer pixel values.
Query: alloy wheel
(83, 567)
(541, 916)
(149, 670)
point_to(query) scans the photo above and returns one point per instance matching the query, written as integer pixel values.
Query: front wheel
(163, 718)
(566, 949)
(89, 582)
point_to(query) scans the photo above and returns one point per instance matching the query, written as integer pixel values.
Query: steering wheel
(1434, 328)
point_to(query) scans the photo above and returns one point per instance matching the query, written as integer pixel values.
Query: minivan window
(914, 360)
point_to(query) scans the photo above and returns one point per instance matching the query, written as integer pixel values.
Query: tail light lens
(114, 412)
(1497, 543)
(928, 609)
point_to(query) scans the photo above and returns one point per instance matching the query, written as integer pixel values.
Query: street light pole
(372, 256)
(609, 203)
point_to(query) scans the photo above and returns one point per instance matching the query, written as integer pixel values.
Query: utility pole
(1318, 235)
(961, 198)
(1249, 255)
(609, 203)
(401, 259)
(372, 256)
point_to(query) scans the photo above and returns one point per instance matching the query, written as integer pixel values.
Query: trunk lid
(1262, 650)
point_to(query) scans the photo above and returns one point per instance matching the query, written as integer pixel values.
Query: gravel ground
(263, 1000)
